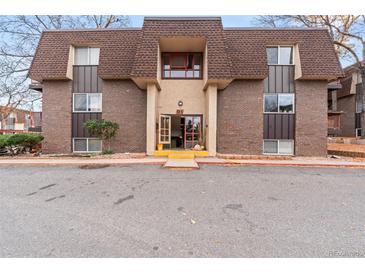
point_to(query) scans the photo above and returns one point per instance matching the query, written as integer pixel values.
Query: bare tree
(346, 31)
(19, 36)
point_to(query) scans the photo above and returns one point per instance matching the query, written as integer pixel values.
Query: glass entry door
(165, 129)
(192, 131)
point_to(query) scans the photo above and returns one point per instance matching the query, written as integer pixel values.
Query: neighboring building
(19, 120)
(186, 81)
(346, 105)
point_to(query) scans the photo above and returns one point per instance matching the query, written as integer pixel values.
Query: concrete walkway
(297, 161)
(181, 163)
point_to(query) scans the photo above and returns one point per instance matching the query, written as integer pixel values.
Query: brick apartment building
(181, 81)
(346, 105)
(16, 120)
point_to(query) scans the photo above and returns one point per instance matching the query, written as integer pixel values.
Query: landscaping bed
(346, 150)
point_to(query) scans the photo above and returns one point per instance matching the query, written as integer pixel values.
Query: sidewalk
(297, 162)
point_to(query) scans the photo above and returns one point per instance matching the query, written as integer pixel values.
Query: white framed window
(359, 105)
(87, 102)
(86, 145)
(27, 121)
(279, 55)
(86, 56)
(358, 132)
(278, 147)
(279, 103)
(10, 121)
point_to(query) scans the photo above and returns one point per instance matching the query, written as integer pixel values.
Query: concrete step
(165, 153)
(181, 156)
(181, 163)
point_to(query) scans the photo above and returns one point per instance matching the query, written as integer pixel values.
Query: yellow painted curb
(167, 153)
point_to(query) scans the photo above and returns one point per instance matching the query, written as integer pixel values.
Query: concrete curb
(296, 165)
(223, 162)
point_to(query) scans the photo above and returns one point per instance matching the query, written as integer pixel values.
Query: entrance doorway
(180, 131)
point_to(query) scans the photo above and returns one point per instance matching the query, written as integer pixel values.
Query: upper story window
(87, 102)
(86, 56)
(279, 103)
(359, 106)
(182, 65)
(279, 55)
(27, 121)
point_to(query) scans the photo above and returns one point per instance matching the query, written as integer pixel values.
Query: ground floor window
(86, 145)
(334, 121)
(358, 132)
(280, 147)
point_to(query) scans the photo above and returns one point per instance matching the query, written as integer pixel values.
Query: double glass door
(190, 125)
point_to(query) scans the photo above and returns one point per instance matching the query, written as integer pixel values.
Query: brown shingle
(145, 63)
(117, 49)
(232, 53)
(247, 48)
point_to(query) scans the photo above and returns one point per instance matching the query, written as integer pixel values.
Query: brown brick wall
(347, 105)
(311, 118)
(56, 115)
(126, 104)
(240, 118)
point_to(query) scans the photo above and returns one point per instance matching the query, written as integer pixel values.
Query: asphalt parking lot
(147, 211)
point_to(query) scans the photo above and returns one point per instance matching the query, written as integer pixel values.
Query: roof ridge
(274, 29)
(182, 18)
(91, 29)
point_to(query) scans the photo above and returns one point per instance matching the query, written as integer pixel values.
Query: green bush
(22, 141)
(3, 140)
(107, 151)
(103, 129)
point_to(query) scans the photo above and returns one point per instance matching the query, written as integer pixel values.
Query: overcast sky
(228, 21)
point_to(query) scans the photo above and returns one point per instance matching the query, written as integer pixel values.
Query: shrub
(107, 151)
(3, 140)
(103, 129)
(22, 141)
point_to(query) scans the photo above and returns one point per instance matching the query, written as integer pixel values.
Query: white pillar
(211, 140)
(151, 119)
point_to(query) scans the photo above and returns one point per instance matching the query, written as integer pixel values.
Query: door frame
(201, 133)
(168, 142)
(200, 128)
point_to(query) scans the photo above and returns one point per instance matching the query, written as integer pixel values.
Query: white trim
(278, 145)
(278, 94)
(281, 46)
(169, 130)
(87, 145)
(87, 102)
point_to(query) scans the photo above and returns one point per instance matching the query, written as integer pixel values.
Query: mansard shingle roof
(145, 61)
(247, 48)
(235, 53)
(117, 50)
